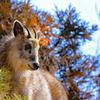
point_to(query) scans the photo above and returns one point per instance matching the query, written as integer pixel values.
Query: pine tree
(74, 68)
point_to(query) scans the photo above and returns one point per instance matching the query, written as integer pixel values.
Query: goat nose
(36, 65)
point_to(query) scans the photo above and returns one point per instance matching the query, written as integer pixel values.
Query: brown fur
(20, 53)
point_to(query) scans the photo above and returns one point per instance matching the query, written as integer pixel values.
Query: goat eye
(27, 47)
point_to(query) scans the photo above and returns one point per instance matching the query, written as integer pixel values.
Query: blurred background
(69, 45)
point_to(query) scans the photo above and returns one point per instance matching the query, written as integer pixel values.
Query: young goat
(20, 53)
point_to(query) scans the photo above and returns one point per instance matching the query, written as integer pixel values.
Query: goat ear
(18, 28)
(38, 34)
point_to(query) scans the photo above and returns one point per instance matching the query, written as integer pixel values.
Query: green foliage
(15, 96)
(5, 86)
